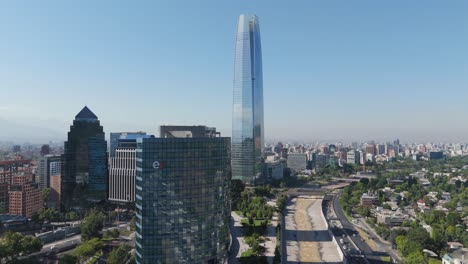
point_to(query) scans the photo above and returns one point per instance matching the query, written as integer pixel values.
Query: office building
(48, 165)
(273, 170)
(368, 200)
(379, 149)
(45, 149)
(8, 170)
(123, 139)
(16, 148)
(370, 148)
(433, 155)
(187, 132)
(297, 161)
(24, 196)
(247, 110)
(122, 173)
(55, 191)
(353, 157)
(321, 161)
(122, 166)
(182, 200)
(84, 167)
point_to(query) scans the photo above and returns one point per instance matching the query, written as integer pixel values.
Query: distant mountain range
(20, 132)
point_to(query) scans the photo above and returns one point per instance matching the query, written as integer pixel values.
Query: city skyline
(324, 63)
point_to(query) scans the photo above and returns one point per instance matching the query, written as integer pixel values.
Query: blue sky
(341, 70)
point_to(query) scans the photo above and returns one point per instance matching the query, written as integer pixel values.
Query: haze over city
(364, 70)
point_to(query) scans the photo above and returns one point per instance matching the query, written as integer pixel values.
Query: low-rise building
(459, 256)
(368, 200)
(388, 217)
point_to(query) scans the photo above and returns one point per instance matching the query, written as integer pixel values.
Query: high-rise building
(24, 196)
(120, 139)
(45, 149)
(370, 148)
(122, 166)
(187, 131)
(84, 171)
(297, 161)
(247, 111)
(380, 148)
(182, 200)
(353, 157)
(16, 148)
(48, 165)
(55, 191)
(8, 170)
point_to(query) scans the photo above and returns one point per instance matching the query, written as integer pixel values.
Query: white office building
(122, 173)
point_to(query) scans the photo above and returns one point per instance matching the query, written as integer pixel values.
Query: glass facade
(182, 200)
(84, 162)
(247, 113)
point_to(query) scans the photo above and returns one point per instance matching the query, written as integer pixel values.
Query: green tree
(133, 224)
(68, 259)
(112, 233)
(36, 218)
(92, 225)
(72, 216)
(415, 258)
(452, 218)
(15, 244)
(45, 195)
(87, 249)
(51, 215)
(119, 254)
(450, 232)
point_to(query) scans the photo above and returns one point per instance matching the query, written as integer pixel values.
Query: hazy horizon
(349, 72)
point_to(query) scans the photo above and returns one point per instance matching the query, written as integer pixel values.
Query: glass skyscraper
(182, 200)
(84, 162)
(247, 112)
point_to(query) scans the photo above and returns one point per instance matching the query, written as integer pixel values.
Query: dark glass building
(182, 200)
(84, 162)
(247, 109)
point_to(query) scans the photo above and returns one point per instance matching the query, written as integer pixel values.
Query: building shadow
(307, 235)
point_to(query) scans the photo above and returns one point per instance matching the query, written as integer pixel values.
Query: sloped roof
(85, 113)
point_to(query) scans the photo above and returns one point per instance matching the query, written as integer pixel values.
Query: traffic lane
(75, 240)
(349, 228)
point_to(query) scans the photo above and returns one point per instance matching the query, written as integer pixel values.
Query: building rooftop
(85, 113)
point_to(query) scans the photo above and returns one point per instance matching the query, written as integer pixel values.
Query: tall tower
(247, 109)
(84, 162)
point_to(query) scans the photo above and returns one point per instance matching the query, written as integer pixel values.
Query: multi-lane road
(350, 231)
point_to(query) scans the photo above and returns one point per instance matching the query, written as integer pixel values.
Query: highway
(350, 231)
(64, 245)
